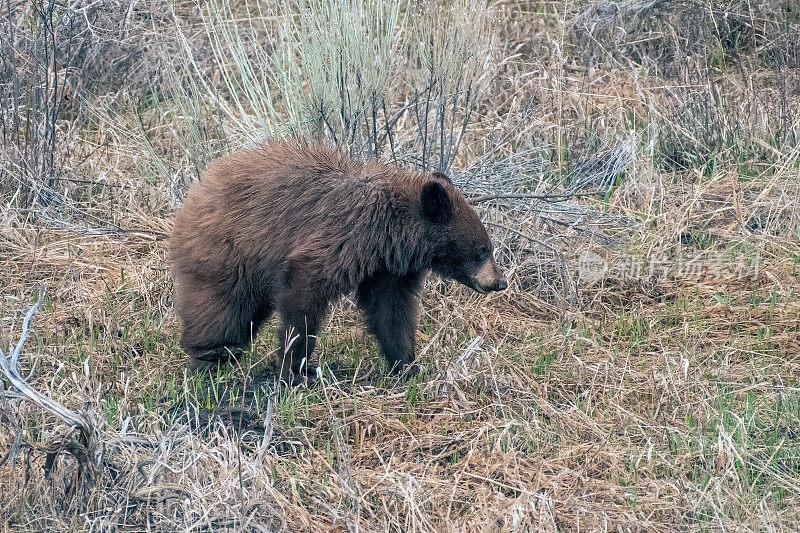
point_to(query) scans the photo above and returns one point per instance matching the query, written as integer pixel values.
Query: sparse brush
(33, 95)
(639, 374)
(352, 72)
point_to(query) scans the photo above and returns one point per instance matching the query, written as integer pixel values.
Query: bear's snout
(489, 277)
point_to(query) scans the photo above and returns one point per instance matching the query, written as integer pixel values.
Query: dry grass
(656, 399)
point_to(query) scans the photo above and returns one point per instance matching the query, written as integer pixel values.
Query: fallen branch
(8, 364)
(522, 196)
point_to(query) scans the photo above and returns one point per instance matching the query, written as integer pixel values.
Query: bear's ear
(436, 205)
(441, 175)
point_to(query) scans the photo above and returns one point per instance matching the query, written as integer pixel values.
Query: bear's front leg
(391, 309)
(298, 339)
(302, 309)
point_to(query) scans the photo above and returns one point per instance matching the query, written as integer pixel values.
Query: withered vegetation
(638, 166)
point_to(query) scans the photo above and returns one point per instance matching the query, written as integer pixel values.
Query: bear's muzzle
(489, 277)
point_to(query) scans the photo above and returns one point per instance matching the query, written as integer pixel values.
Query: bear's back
(284, 199)
(280, 168)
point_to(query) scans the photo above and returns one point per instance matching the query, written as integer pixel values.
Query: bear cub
(292, 225)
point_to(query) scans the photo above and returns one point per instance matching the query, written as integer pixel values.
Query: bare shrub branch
(8, 364)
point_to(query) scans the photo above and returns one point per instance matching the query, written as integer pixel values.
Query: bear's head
(460, 247)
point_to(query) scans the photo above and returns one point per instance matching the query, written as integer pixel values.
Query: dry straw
(618, 403)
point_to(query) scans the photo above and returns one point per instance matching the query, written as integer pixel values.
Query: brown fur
(292, 225)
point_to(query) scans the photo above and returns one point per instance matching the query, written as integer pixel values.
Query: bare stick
(16, 350)
(523, 196)
(9, 367)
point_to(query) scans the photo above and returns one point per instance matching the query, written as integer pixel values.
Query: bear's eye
(483, 253)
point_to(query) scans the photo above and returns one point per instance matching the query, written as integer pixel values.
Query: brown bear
(292, 225)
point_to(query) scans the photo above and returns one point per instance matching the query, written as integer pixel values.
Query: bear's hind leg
(217, 328)
(391, 310)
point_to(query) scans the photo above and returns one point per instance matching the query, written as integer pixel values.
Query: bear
(292, 225)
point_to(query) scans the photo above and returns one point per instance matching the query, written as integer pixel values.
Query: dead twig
(544, 197)
(8, 364)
